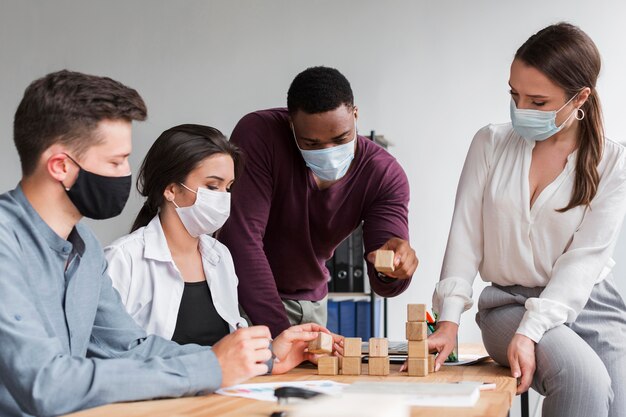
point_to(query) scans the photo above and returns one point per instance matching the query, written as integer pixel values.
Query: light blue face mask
(537, 125)
(332, 163)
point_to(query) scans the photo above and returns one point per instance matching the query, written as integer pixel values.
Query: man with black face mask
(67, 342)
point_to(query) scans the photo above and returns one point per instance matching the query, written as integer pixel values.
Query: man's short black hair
(65, 107)
(318, 90)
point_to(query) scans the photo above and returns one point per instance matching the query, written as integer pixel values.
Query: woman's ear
(170, 192)
(582, 97)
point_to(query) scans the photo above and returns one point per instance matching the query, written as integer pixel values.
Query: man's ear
(356, 113)
(58, 167)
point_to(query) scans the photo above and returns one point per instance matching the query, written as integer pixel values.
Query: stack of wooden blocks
(419, 360)
(378, 362)
(326, 365)
(350, 364)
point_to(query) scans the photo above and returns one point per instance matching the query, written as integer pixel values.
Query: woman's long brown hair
(568, 57)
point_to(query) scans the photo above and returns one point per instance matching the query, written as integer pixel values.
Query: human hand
(521, 355)
(243, 354)
(405, 261)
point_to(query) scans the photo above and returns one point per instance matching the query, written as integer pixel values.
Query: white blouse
(151, 286)
(495, 231)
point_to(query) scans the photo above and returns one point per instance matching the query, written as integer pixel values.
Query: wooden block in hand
(418, 349)
(384, 261)
(378, 366)
(378, 347)
(351, 365)
(417, 367)
(328, 365)
(416, 330)
(416, 312)
(323, 344)
(431, 363)
(352, 346)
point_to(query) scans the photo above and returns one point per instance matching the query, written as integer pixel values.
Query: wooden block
(352, 346)
(417, 367)
(351, 365)
(418, 349)
(378, 366)
(416, 330)
(378, 347)
(323, 344)
(431, 363)
(416, 312)
(384, 261)
(328, 365)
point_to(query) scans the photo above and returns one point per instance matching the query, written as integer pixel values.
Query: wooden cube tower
(418, 360)
(351, 361)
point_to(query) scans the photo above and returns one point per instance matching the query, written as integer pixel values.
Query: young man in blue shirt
(67, 341)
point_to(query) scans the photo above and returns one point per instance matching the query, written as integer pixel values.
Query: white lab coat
(151, 286)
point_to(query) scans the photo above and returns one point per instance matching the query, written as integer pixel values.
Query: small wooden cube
(416, 330)
(418, 349)
(384, 261)
(351, 365)
(328, 365)
(323, 344)
(416, 312)
(378, 366)
(352, 346)
(378, 347)
(431, 363)
(417, 367)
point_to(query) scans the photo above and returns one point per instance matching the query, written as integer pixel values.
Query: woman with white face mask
(539, 207)
(174, 278)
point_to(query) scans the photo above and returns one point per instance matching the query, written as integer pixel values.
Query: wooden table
(492, 403)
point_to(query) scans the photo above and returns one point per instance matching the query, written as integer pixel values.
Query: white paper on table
(265, 391)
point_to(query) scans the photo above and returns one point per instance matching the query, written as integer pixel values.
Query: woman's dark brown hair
(174, 154)
(568, 57)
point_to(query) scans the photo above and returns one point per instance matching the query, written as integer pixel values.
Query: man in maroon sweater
(309, 181)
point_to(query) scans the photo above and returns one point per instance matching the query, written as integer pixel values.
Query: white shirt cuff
(542, 315)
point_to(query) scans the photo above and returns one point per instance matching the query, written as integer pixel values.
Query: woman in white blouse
(538, 210)
(174, 278)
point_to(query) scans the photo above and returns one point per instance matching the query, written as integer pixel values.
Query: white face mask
(538, 125)
(207, 214)
(332, 163)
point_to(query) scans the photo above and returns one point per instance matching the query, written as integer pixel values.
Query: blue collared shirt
(66, 341)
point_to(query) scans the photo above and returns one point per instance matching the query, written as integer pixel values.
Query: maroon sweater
(283, 228)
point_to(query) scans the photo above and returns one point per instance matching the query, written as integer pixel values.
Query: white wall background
(427, 74)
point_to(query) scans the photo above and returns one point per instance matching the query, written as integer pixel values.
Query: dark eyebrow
(530, 95)
(216, 177)
(332, 139)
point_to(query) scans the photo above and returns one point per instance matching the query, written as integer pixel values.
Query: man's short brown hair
(65, 107)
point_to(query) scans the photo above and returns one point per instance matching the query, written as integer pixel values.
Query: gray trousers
(302, 311)
(581, 366)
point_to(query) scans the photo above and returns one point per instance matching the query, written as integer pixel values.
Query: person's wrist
(384, 278)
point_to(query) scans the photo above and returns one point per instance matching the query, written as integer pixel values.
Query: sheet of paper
(265, 391)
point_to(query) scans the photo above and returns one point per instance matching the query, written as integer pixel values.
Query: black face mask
(99, 197)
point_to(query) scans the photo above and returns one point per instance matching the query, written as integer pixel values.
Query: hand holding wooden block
(328, 365)
(323, 344)
(384, 261)
(378, 347)
(352, 346)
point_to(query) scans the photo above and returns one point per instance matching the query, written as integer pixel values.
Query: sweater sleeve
(243, 232)
(386, 218)
(464, 252)
(586, 261)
